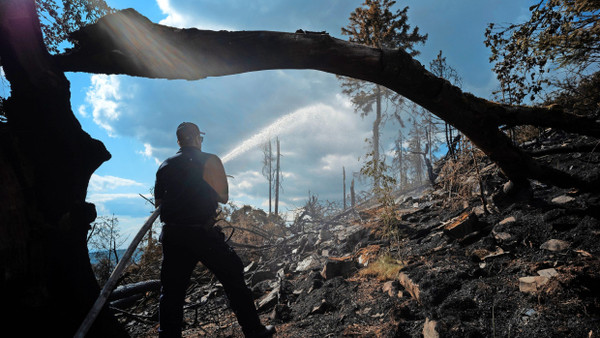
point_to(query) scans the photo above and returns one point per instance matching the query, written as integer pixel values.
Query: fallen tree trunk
(170, 53)
(125, 291)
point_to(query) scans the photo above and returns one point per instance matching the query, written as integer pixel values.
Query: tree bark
(46, 161)
(344, 185)
(277, 174)
(165, 52)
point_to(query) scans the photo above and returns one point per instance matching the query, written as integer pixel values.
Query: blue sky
(319, 131)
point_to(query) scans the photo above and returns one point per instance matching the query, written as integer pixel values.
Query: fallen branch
(575, 148)
(140, 318)
(131, 289)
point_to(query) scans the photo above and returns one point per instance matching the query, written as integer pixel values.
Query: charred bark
(128, 43)
(46, 161)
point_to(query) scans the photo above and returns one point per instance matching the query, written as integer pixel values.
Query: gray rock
(555, 245)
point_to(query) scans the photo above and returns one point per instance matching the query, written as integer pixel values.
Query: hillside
(526, 265)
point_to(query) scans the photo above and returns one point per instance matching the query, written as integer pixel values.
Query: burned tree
(375, 24)
(46, 161)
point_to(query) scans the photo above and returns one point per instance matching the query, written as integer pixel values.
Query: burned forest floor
(454, 263)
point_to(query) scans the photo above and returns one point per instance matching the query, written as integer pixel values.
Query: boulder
(335, 267)
(309, 263)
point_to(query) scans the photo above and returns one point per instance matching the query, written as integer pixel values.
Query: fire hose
(114, 277)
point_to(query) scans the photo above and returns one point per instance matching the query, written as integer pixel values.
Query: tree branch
(128, 43)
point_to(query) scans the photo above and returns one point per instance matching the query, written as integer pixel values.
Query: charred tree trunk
(277, 173)
(46, 161)
(352, 195)
(165, 52)
(376, 133)
(344, 185)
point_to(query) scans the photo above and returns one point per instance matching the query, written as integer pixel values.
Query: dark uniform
(189, 206)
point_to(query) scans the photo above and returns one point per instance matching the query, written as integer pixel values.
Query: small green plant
(383, 187)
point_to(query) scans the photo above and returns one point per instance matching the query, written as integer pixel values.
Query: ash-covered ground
(523, 265)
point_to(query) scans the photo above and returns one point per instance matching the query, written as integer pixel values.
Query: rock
(324, 235)
(530, 312)
(410, 286)
(508, 220)
(531, 284)
(325, 253)
(338, 267)
(555, 245)
(391, 288)
(323, 307)
(309, 263)
(551, 272)
(479, 210)
(352, 235)
(564, 199)
(502, 236)
(261, 275)
(268, 301)
(281, 312)
(461, 226)
(281, 273)
(430, 329)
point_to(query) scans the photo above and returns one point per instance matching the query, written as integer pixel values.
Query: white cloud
(181, 19)
(104, 97)
(149, 152)
(245, 183)
(103, 183)
(331, 162)
(82, 111)
(103, 198)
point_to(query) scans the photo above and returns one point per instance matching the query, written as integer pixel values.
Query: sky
(316, 124)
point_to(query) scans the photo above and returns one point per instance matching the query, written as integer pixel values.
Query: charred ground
(525, 265)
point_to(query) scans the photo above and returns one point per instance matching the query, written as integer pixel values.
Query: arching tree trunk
(165, 52)
(46, 160)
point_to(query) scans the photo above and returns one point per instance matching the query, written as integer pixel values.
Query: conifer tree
(376, 24)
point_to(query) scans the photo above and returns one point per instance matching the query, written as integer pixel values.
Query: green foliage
(564, 33)
(379, 171)
(59, 18)
(376, 25)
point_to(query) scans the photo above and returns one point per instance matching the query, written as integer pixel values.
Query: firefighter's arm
(214, 175)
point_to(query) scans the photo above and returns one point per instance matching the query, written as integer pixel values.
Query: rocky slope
(525, 265)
